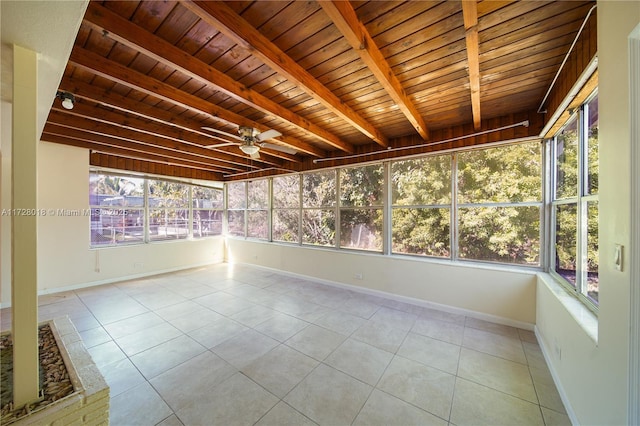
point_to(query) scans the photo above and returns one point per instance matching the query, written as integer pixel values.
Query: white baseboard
(405, 299)
(119, 279)
(556, 379)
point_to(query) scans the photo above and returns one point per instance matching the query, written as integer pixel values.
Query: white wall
(64, 257)
(593, 375)
(501, 295)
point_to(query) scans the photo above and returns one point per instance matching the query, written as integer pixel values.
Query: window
(257, 209)
(361, 202)
(421, 206)
(500, 204)
(207, 205)
(168, 210)
(135, 210)
(236, 205)
(117, 209)
(318, 208)
(286, 209)
(574, 165)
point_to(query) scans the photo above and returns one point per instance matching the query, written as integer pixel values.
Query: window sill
(583, 316)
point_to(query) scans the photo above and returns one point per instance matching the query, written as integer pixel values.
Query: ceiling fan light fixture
(249, 149)
(68, 100)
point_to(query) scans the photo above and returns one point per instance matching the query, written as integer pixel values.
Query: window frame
(581, 200)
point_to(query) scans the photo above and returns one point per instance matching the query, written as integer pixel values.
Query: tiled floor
(237, 345)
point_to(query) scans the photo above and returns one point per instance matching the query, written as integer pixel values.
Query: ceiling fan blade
(280, 148)
(231, 135)
(255, 155)
(269, 134)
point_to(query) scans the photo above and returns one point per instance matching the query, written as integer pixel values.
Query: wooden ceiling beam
(73, 133)
(118, 73)
(159, 130)
(123, 152)
(128, 34)
(224, 19)
(66, 119)
(82, 90)
(345, 18)
(470, 16)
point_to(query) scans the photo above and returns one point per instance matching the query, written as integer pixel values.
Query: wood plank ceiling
(333, 77)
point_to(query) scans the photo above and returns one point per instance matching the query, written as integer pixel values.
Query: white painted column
(24, 280)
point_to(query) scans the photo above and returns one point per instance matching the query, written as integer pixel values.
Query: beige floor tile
(179, 385)
(380, 335)
(85, 322)
(172, 420)
(142, 340)
(127, 308)
(497, 373)
(474, 404)
(217, 332)
(553, 418)
(166, 355)
(431, 352)
(140, 405)
(281, 326)
(419, 385)
(284, 415)
(535, 357)
(106, 353)
(189, 289)
(383, 409)
(329, 397)
(494, 344)
(244, 348)
(527, 336)
(492, 327)
(360, 360)
(546, 389)
(443, 316)
(280, 370)
(340, 322)
(236, 401)
(395, 318)
(132, 325)
(316, 342)
(94, 336)
(440, 330)
(196, 319)
(359, 307)
(177, 310)
(159, 299)
(121, 376)
(254, 315)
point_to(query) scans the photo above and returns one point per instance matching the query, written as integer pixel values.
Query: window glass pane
(286, 191)
(236, 222)
(592, 290)
(425, 181)
(207, 223)
(117, 225)
(168, 194)
(258, 192)
(361, 229)
(285, 225)
(257, 225)
(206, 198)
(500, 234)
(116, 191)
(167, 224)
(565, 241)
(319, 189)
(361, 186)
(421, 231)
(236, 196)
(592, 141)
(319, 227)
(503, 174)
(567, 161)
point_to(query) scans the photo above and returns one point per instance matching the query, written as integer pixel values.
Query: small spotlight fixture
(68, 100)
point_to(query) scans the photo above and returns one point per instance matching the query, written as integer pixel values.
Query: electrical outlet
(138, 265)
(358, 276)
(617, 257)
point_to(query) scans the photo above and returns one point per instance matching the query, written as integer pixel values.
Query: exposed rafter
(223, 18)
(131, 35)
(344, 17)
(470, 15)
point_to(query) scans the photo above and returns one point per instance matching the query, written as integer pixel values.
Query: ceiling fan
(252, 140)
